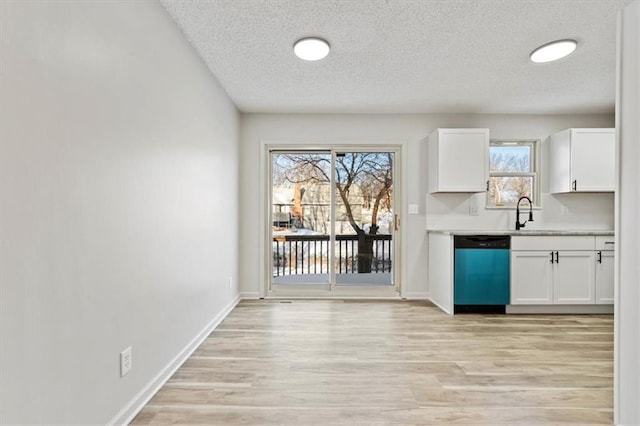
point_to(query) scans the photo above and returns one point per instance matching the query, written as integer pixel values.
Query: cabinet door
(573, 278)
(458, 160)
(531, 278)
(582, 160)
(593, 156)
(604, 276)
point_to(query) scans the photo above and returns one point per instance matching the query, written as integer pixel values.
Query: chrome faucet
(518, 224)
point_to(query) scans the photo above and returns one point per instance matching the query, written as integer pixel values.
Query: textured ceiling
(407, 56)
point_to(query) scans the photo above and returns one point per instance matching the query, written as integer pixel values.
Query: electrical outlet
(125, 362)
(413, 209)
(473, 209)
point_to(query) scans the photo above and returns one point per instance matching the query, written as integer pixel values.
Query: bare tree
(509, 187)
(369, 172)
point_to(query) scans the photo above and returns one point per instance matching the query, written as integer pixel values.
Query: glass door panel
(364, 218)
(300, 217)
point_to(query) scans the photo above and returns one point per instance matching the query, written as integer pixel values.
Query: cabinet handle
(487, 186)
(551, 257)
(600, 257)
(574, 185)
(557, 258)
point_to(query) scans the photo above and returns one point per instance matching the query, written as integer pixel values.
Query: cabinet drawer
(605, 243)
(552, 243)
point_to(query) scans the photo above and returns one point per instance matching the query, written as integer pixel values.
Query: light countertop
(522, 233)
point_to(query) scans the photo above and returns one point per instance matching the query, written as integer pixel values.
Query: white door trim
(399, 147)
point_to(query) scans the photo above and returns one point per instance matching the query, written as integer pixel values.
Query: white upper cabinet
(582, 160)
(458, 160)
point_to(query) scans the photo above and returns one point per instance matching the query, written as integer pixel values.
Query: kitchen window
(512, 172)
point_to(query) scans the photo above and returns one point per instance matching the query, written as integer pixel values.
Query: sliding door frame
(395, 290)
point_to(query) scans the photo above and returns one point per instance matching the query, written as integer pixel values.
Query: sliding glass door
(364, 218)
(300, 213)
(333, 222)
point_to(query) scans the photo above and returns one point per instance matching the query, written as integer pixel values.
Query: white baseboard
(126, 415)
(559, 309)
(445, 310)
(417, 295)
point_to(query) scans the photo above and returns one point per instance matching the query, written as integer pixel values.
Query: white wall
(119, 205)
(627, 315)
(590, 211)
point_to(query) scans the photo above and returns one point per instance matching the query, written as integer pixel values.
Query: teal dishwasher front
(481, 271)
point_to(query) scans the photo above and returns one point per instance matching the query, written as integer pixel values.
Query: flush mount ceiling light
(553, 51)
(311, 48)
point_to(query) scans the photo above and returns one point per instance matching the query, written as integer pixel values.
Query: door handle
(600, 257)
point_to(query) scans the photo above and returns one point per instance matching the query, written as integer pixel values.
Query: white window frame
(534, 144)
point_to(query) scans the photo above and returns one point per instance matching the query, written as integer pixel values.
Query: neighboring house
(307, 206)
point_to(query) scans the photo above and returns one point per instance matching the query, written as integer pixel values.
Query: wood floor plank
(389, 362)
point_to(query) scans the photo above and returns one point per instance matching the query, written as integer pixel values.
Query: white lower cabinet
(604, 277)
(546, 277)
(440, 271)
(574, 278)
(605, 257)
(561, 271)
(531, 278)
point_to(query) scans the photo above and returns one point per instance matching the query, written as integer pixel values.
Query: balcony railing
(309, 254)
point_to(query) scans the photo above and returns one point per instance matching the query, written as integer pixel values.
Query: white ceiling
(407, 56)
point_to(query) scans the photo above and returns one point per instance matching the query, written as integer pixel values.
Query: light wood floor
(374, 363)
